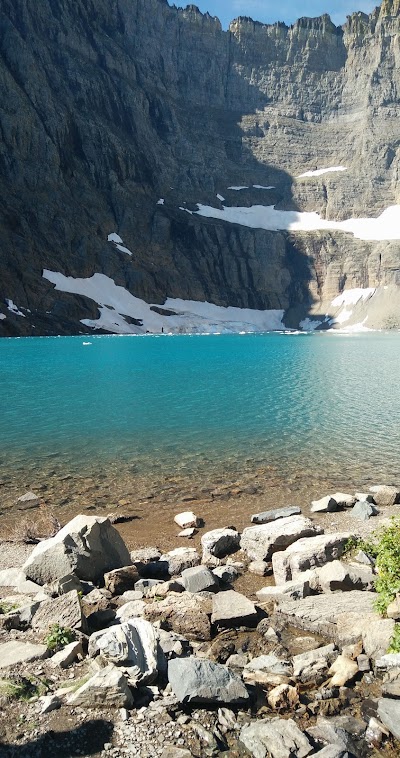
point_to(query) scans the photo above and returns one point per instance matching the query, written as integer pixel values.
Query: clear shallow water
(315, 403)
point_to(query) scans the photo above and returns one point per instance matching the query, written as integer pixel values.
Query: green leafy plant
(394, 646)
(354, 544)
(59, 637)
(387, 583)
(6, 607)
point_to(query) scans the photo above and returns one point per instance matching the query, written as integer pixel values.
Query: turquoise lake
(303, 403)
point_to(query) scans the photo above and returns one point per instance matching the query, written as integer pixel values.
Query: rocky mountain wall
(107, 108)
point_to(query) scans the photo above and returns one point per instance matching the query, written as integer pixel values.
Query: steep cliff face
(128, 118)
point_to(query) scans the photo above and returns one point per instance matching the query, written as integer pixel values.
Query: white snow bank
(118, 242)
(352, 329)
(14, 309)
(321, 171)
(115, 302)
(2, 316)
(351, 297)
(385, 227)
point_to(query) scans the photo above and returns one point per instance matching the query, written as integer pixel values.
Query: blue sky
(286, 10)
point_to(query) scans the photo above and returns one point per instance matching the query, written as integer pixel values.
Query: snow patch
(352, 329)
(321, 171)
(220, 198)
(352, 296)
(118, 242)
(261, 186)
(14, 309)
(385, 227)
(115, 303)
(161, 201)
(237, 189)
(2, 316)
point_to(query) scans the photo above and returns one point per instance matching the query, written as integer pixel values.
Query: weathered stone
(388, 661)
(121, 580)
(338, 731)
(221, 542)
(230, 608)
(14, 651)
(363, 511)
(384, 495)
(362, 557)
(343, 670)
(67, 655)
(296, 590)
(128, 597)
(393, 609)
(199, 579)
(325, 505)
(65, 584)
(145, 555)
(87, 546)
(278, 738)
(184, 613)
(323, 614)
(344, 500)
(133, 609)
(338, 576)
(188, 533)
(261, 542)
(332, 751)
(172, 645)
(194, 680)
(307, 554)
(304, 663)
(180, 559)
(107, 688)
(267, 516)
(283, 697)
(187, 520)
(226, 573)
(134, 643)
(65, 610)
(144, 585)
(389, 714)
(377, 635)
(365, 497)
(29, 500)
(260, 568)
(171, 751)
(164, 588)
(270, 664)
(16, 578)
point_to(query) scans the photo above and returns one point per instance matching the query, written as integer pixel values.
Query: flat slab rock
(195, 680)
(14, 652)
(321, 614)
(261, 542)
(275, 737)
(184, 613)
(230, 608)
(277, 513)
(64, 610)
(108, 687)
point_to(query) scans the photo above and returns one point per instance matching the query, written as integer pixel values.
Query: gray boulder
(87, 546)
(233, 609)
(338, 576)
(67, 655)
(389, 714)
(344, 500)
(179, 559)
(27, 501)
(195, 680)
(267, 516)
(121, 580)
(270, 664)
(307, 554)
(65, 610)
(296, 590)
(307, 665)
(275, 737)
(261, 542)
(199, 579)
(363, 510)
(220, 542)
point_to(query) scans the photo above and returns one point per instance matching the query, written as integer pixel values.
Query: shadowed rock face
(108, 107)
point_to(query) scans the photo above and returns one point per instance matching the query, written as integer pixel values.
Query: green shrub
(387, 583)
(58, 637)
(394, 646)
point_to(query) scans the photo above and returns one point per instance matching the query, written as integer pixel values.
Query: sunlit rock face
(121, 121)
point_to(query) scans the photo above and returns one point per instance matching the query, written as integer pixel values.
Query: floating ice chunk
(220, 198)
(237, 189)
(86, 343)
(321, 171)
(161, 201)
(2, 316)
(309, 325)
(14, 309)
(261, 186)
(115, 238)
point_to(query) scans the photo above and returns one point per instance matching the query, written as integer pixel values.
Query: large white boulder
(87, 546)
(305, 554)
(132, 644)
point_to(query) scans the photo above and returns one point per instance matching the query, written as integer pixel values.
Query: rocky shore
(106, 651)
